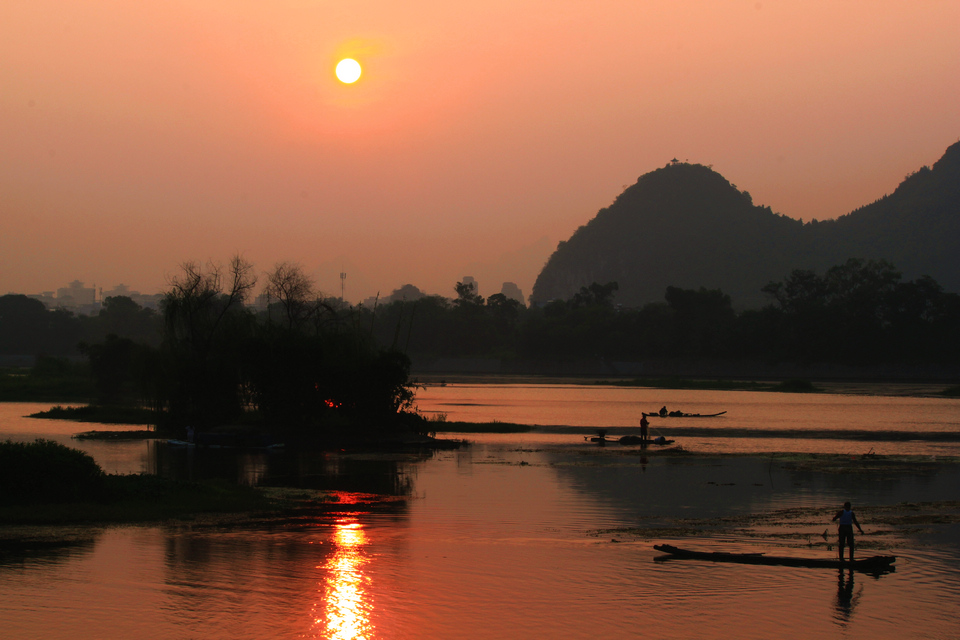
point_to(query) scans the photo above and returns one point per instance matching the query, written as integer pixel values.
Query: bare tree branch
(293, 289)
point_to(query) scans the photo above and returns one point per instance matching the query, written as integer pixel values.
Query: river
(538, 534)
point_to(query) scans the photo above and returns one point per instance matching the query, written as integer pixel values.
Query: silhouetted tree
(123, 317)
(860, 312)
(124, 371)
(28, 328)
(467, 295)
(595, 294)
(293, 289)
(703, 321)
(205, 324)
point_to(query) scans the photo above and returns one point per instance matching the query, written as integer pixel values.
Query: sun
(348, 70)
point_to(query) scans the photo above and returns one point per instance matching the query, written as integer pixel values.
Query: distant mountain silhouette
(686, 226)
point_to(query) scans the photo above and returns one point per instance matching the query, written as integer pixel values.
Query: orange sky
(137, 135)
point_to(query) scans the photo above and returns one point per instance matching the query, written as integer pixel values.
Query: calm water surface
(754, 422)
(511, 537)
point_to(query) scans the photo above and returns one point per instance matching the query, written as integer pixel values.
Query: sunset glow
(141, 135)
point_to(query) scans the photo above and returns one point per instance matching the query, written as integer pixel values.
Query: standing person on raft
(644, 423)
(847, 519)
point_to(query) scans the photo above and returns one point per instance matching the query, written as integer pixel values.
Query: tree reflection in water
(346, 604)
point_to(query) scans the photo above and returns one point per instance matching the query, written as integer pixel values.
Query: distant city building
(261, 302)
(77, 298)
(88, 301)
(512, 291)
(76, 295)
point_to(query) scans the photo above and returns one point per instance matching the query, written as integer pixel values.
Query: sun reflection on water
(347, 603)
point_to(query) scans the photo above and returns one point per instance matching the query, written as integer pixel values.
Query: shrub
(45, 471)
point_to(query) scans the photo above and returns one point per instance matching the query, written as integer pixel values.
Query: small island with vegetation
(303, 372)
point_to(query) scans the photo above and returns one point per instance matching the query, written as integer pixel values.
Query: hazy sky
(138, 135)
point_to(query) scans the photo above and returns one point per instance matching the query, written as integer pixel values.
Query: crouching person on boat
(847, 518)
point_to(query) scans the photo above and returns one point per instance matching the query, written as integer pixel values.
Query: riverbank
(832, 387)
(99, 414)
(690, 369)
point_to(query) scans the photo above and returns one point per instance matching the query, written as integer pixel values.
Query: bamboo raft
(870, 564)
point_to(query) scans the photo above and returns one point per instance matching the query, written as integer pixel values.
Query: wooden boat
(681, 414)
(871, 564)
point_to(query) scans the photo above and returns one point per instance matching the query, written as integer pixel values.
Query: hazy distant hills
(686, 226)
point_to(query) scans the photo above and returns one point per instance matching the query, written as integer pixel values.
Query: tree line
(858, 313)
(311, 364)
(27, 327)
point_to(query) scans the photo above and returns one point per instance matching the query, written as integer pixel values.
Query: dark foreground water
(543, 535)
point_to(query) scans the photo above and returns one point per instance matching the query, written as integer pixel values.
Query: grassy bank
(45, 482)
(481, 427)
(119, 435)
(99, 413)
(845, 386)
(68, 384)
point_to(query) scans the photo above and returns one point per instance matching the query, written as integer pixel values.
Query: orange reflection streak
(347, 602)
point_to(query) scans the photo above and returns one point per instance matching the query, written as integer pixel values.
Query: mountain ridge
(685, 225)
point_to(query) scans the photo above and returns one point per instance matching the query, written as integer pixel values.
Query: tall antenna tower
(343, 280)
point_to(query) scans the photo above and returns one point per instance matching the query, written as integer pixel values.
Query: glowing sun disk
(348, 70)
